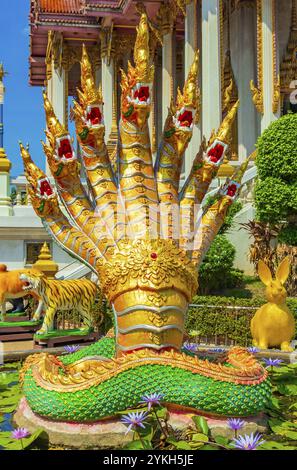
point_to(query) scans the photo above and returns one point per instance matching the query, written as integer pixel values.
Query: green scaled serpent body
(51, 394)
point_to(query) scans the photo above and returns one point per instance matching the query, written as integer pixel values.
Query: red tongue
(45, 188)
(65, 149)
(231, 190)
(95, 116)
(215, 153)
(186, 118)
(142, 93)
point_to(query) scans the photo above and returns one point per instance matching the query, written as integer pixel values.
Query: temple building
(248, 51)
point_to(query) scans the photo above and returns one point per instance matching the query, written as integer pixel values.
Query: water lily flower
(20, 433)
(135, 420)
(235, 424)
(218, 350)
(71, 348)
(152, 399)
(272, 362)
(253, 349)
(247, 442)
(191, 347)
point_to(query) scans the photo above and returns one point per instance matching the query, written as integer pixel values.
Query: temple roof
(60, 6)
(80, 21)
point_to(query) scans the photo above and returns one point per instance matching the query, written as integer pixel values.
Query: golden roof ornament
(225, 128)
(89, 94)
(143, 72)
(45, 263)
(53, 124)
(191, 93)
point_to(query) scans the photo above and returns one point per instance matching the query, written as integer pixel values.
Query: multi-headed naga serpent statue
(144, 240)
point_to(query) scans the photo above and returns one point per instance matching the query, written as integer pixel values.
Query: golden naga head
(88, 113)
(180, 121)
(220, 140)
(42, 194)
(59, 151)
(137, 83)
(233, 185)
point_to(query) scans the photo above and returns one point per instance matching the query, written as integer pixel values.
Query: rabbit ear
(264, 273)
(283, 270)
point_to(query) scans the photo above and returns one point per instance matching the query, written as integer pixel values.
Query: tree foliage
(276, 188)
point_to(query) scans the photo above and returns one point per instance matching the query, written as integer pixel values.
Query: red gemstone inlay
(154, 255)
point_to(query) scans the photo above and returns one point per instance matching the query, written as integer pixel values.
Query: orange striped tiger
(76, 294)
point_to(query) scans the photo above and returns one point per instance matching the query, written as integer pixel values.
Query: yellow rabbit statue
(273, 324)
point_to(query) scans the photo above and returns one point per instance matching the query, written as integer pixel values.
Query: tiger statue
(78, 294)
(12, 288)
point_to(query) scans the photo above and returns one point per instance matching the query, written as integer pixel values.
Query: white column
(191, 34)
(167, 74)
(211, 75)
(5, 201)
(268, 73)
(56, 90)
(107, 70)
(244, 66)
(98, 75)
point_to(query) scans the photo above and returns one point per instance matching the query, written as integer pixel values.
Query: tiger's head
(32, 280)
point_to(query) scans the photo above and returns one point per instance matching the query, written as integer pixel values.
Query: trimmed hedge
(217, 271)
(225, 326)
(276, 188)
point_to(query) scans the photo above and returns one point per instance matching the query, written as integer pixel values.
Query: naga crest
(134, 227)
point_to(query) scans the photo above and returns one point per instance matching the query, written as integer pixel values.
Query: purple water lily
(253, 349)
(191, 347)
(269, 362)
(152, 399)
(71, 348)
(247, 442)
(218, 350)
(20, 433)
(135, 420)
(235, 424)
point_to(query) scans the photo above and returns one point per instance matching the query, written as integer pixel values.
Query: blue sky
(23, 112)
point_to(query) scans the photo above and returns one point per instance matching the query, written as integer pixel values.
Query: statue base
(62, 337)
(110, 433)
(16, 330)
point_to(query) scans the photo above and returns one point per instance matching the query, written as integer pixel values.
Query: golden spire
(90, 94)
(53, 124)
(224, 131)
(32, 172)
(191, 93)
(45, 263)
(2, 72)
(143, 71)
(5, 164)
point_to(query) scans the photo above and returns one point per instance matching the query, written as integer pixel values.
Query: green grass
(59, 333)
(17, 314)
(8, 324)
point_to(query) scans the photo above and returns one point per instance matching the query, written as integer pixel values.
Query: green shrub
(288, 235)
(229, 324)
(272, 197)
(276, 188)
(277, 150)
(216, 271)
